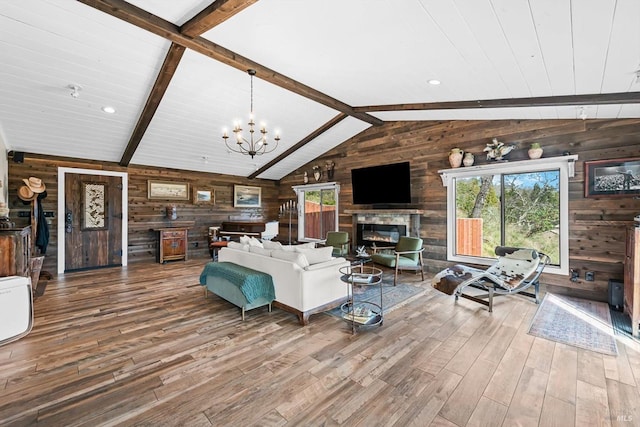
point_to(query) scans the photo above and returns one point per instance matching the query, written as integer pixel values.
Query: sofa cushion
(260, 251)
(294, 257)
(316, 256)
(236, 245)
(255, 242)
(268, 244)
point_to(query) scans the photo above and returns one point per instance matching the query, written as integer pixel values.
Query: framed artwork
(612, 178)
(204, 196)
(247, 197)
(168, 190)
(94, 198)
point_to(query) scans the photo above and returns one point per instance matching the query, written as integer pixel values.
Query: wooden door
(93, 221)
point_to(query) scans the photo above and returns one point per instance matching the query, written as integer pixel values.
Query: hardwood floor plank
(592, 405)
(142, 346)
(526, 405)
(464, 399)
(557, 413)
(487, 413)
(624, 402)
(564, 373)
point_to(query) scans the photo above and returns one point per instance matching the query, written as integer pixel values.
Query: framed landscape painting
(168, 190)
(612, 178)
(246, 197)
(203, 196)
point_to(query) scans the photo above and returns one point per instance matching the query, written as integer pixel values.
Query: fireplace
(384, 227)
(379, 234)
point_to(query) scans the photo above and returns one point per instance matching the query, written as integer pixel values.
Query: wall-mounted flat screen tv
(388, 184)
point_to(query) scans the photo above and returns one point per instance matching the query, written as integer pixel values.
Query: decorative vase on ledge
(468, 159)
(455, 157)
(535, 152)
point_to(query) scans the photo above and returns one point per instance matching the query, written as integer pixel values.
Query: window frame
(565, 165)
(300, 193)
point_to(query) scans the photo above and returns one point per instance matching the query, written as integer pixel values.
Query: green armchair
(407, 255)
(340, 242)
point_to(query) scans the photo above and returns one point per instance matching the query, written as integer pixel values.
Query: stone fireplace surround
(409, 218)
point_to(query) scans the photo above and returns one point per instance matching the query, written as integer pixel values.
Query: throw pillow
(316, 256)
(255, 242)
(268, 244)
(259, 250)
(239, 246)
(308, 245)
(245, 240)
(295, 257)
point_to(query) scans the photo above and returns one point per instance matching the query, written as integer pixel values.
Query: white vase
(455, 157)
(535, 153)
(468, 159)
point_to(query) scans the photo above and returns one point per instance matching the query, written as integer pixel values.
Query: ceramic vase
(535, 153)
(455, 157)
(468, 159)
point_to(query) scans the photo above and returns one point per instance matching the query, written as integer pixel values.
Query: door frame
(62, 171)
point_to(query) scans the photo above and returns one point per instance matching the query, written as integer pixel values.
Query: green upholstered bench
(243, 287)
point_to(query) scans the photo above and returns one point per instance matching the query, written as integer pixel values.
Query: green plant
(535, 145)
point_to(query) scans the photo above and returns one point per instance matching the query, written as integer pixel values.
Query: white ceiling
(360, 52)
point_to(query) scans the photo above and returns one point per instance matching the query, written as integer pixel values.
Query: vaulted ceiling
(176, 72)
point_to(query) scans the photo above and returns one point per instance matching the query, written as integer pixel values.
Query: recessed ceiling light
(434, 82)
(108, 110)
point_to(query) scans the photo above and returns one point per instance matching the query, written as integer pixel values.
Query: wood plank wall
(597, 226)
(144, 214)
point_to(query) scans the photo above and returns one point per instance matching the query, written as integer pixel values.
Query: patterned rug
(393, 297)
(577, 322)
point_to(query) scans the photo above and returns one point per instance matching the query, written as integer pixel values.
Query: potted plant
(535, 152)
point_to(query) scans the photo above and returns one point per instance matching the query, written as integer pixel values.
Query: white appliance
(16, 308)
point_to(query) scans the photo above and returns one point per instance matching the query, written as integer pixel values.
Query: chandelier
(251, 146)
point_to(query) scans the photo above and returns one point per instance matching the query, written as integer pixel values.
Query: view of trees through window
(520, 209)
(319, 213)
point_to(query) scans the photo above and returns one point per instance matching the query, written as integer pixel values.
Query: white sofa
(306, 281)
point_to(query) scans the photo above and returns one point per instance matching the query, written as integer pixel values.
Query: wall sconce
(330, 169)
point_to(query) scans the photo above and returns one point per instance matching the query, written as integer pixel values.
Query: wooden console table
(172, 243)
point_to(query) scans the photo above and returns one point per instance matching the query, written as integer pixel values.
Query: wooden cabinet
(15, 251)
(632, 278)
(172, 244)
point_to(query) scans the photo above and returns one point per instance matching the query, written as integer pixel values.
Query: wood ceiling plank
(322, 129)
(214, 14)
(541, 101)
(143, 19)
(160, 86)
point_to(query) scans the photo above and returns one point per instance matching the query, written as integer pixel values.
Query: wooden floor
(142, 346)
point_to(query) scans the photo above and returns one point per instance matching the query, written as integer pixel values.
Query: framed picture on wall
(168, 190)
(94, 206)
(204, 196)
(612, 178)
(247, 197)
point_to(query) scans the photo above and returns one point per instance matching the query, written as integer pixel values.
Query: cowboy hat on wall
(30, 191)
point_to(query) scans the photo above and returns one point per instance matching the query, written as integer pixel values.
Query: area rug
(393, 297)
(575, 321)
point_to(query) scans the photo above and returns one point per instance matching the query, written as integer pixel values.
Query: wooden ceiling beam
(542, 101)
(214, 14)
(304, 141)
(160, 86)
(147, 21)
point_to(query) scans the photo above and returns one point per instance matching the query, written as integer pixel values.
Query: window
(318, 210)
(512, 204)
